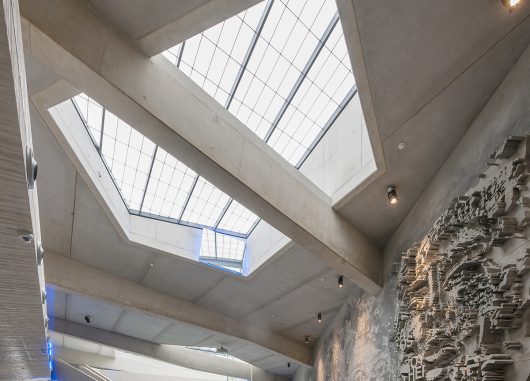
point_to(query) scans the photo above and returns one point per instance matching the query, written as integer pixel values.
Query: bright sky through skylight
(281, 67)
(153, 183)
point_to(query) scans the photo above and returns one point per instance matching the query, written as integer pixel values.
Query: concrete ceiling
(284, 296)
(136, 18)
(431, 66)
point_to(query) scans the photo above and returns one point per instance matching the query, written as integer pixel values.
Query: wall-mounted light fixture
(288, 365)
(319, 317)
(306, 339)
(340, 281)
(393, 198)
(510, 3)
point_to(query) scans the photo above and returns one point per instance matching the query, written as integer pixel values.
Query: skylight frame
(140, 212)
(317, 128)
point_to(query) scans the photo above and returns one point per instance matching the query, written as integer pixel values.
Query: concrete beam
(192, 23)
(161, 102)
(170, 354)
(75, 277)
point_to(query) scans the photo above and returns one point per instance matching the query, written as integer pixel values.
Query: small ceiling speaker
(31, 168)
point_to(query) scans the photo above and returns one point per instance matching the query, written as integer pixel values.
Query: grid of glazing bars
(153, 183)
(281, 67)
(222, 250)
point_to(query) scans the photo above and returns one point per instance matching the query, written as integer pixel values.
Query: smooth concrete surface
(75, 277)
(170, 354)
(506, 113)
(65, 371)
(170, 109)
(155, 29)
(343, 159)
(423, 76)
(22, 310)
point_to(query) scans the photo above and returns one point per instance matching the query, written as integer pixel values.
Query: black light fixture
(306, 339)
(510, 3)
(288, 365)
(319, 317)
(87, 319)
(340, 281)
(392, 195)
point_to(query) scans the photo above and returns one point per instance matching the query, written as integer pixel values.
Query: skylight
(222, 250)
(281, 67)
(155, 184)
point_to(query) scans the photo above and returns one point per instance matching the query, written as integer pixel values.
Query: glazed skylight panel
(128, 154)
(92, 114)
(328, 84)
(293, 78)
(237, 219)
(154, 183)
(206, 204)
(214, 58)
(208, 244)
(229, 247)
(169, 186)
(285, 45)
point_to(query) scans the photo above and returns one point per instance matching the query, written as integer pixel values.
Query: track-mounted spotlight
(319, 317)
(392, 195)
(340, 281)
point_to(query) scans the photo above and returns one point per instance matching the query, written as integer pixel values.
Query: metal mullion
(327, 126)
(181, 51)
(229, 202)
(102, 129)
(250, 50)
(303, 75)
(148, 178)
(188, 198)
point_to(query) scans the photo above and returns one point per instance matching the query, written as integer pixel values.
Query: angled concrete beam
(75, 277)
(165, 105)
(194, 22)
(171, 354)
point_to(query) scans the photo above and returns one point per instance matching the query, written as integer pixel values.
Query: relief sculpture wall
(463, 291)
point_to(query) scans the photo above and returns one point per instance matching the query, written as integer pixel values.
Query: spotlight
(392, 195)
(319, 317)
(510, 3)
(26, 236)
(288, 365)
(340, 282)
(87, 319)
(306, 339)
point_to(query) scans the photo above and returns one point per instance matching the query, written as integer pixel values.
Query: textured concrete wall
(356, 345)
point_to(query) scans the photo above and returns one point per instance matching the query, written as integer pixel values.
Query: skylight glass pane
(237, 219)
(92, 114)
(229, 247)
(128, 155)
(213, 58)
(207, 244)
(328, 82)
(289, 87)
(206, 204)
(169, 186)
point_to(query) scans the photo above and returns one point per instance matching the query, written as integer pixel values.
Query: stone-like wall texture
(464, 289)
(356, 347)
(464, 294)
